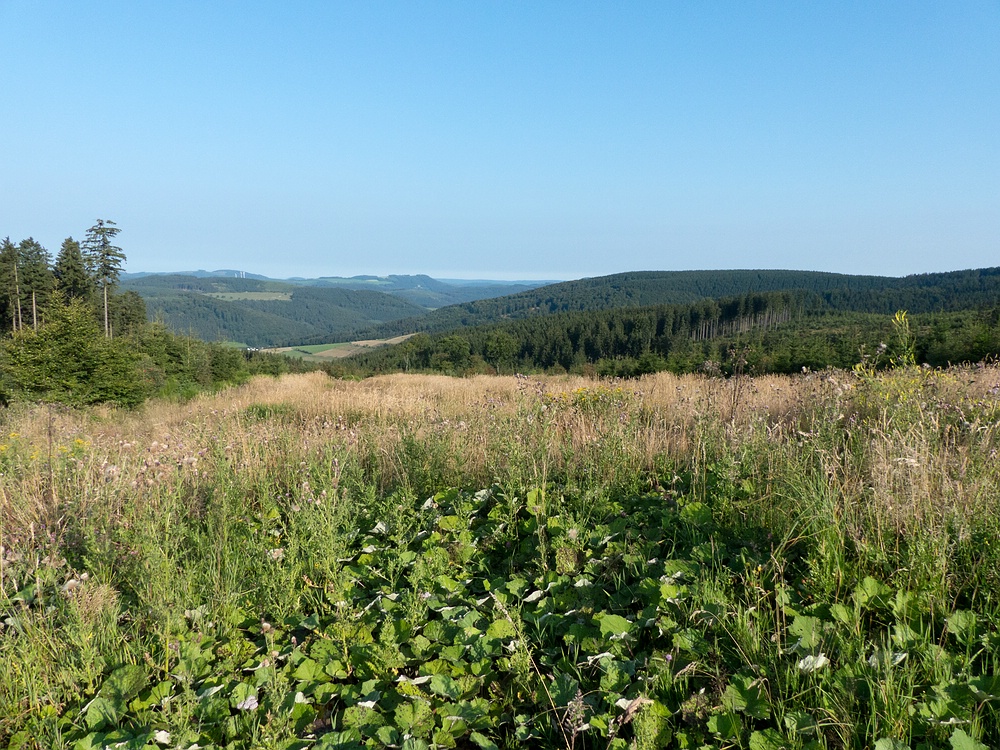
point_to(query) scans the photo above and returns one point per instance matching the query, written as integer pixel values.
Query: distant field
(320, 352)
(253, 296)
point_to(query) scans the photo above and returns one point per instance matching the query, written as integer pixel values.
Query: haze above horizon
(507, 140)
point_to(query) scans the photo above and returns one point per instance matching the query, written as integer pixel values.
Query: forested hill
(957, 290)
(263, 312)
(258, 311)
(421, 290)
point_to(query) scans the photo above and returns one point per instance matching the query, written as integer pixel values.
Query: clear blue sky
(506, 139)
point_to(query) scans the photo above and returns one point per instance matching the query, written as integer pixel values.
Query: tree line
(779, 332)
(88, 272)
(922, 293)
(68, 335)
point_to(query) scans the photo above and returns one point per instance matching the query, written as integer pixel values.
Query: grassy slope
(778, 562)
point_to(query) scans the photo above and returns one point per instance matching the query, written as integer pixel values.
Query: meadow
(416, 561)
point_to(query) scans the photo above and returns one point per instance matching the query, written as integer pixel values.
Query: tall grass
(859, 513)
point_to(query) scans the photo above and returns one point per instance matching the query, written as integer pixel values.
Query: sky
(506, 140)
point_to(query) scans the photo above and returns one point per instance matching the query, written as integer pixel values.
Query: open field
(255, 296)
(324, 352)
(423, 561)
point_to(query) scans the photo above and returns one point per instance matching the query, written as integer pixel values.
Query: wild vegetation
(763, 333)
(68, 335)
(419, 561)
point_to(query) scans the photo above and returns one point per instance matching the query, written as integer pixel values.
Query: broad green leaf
(443, 738)
(787, 599)
(744, 694)
(309, 671)
(243, 697)
(697, 514)
(809, 631)
(887, 743)
(536, 501)
(414, 718)
(101, 712)
(960, 740)
(563, 689)
(483, 741)
(310, 623)
(769, 739)
(799, 722)
(349, 739)
(436, 630)
(962, 625)
(387, 735)
(502, 629)
(615, 679)
(842, 614)
(93, 741)
(872, 594)
(613, 625)
(445, 686)
(303, 715)
(124, 684)
(363, 717)
(450, 523)
(985, 687)
(153, 697)
(728, 726)
(907, 606)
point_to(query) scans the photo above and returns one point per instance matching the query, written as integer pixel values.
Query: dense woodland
(70, 335)
(958, 290)
(779, 332)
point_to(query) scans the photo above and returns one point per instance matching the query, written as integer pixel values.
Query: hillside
(255, 310)
(957, 290)
(264, 312)
(767, 332)
(268, 312)
(426, 291)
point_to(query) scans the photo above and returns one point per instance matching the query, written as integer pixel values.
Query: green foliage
(50, 348)
(26, 282)
(313, 601)
(104, 262)
(103, 259)
(70, 272)
(68, 360)
(923, 293)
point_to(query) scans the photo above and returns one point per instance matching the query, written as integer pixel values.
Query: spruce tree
(10, 293)
(35, 281)
(25, 284)
(71, 274)
(104, 260)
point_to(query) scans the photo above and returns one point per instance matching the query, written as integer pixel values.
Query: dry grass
(477, 430)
